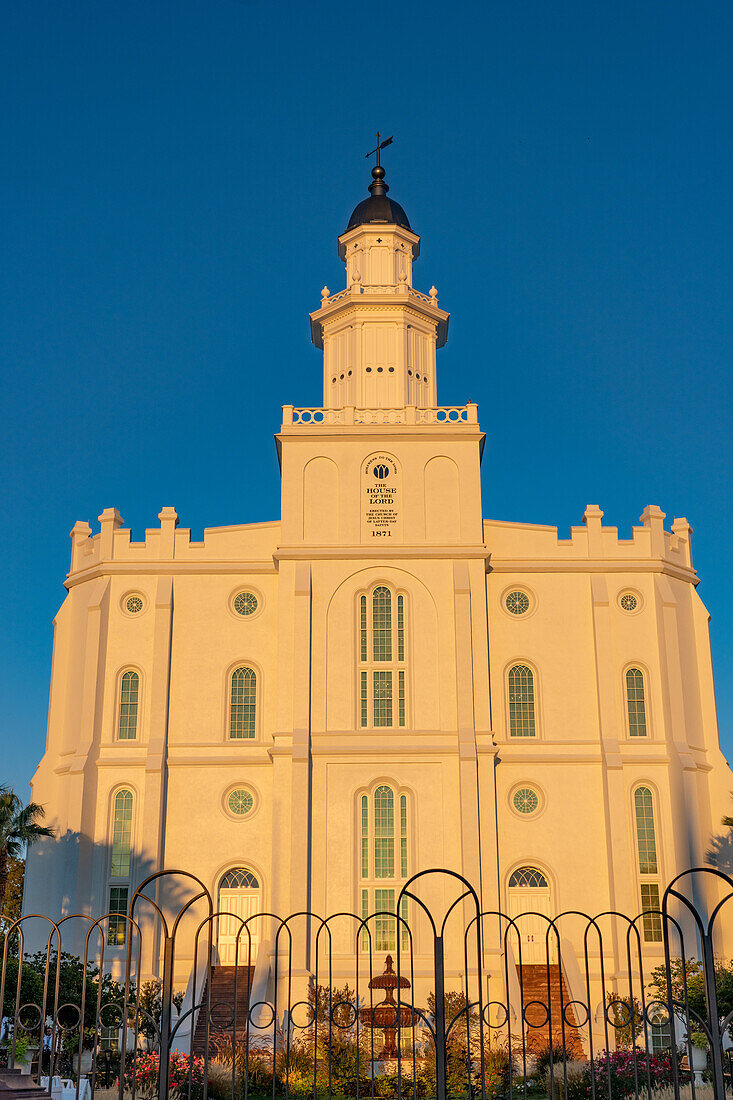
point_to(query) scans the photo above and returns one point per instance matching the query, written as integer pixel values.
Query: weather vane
(380, 146)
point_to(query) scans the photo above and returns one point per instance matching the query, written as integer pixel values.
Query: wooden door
(529, 904)
(240, 903)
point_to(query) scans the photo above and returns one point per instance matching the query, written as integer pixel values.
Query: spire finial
(378, 186)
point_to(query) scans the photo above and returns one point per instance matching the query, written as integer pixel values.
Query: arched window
(635, 703)
(121, 834)
(646, 844)
(239, 878)
(243, 703)
(129, 699)
(384, 864)
(382, 672)
(645, 838)
(520, 686)
(528, 877)
(119, 867)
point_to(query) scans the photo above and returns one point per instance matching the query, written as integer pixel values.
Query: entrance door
(529, 894)
(239, 895)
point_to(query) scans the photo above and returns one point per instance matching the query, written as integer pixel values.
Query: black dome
(378, 208)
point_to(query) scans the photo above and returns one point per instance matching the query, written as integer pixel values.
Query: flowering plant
(621, 1072)
(144, 1071)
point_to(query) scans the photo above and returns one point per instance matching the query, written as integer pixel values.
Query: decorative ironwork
(471, 996)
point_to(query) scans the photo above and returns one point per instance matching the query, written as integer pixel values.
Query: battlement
(250, 545)
(527, 543)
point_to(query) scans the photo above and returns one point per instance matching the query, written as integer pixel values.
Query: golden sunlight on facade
(305, 712)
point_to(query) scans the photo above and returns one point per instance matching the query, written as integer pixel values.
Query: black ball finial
(378, 187)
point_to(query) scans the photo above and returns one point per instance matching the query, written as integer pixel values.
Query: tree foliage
(13, 904)
(20, 826)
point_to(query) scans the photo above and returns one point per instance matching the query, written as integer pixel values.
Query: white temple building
(304, 712)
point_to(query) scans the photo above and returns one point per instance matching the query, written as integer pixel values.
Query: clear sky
(175, 174)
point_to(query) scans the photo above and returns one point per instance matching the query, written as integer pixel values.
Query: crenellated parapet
(527, 546)
(245, 547)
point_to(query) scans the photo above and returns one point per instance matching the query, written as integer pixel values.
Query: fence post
(441, 1083)
(166, 995)
(711, 996)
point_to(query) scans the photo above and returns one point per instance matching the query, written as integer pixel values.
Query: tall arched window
(243, 703)
(129, 700)
(645, 838)
(119, 865)
(635, 702)
(382, 671)
(520, 688)
(384, 864)
(646, 844)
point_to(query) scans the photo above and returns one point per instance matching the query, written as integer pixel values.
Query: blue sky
(176, 173)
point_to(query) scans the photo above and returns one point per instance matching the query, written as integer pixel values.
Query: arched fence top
(464, 982)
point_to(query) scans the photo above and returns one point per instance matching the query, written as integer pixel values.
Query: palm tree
(19, 828)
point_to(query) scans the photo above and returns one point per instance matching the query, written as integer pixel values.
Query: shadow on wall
(720, 852)
(69, 867)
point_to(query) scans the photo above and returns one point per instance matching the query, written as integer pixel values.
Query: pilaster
(168, 522)
(109, 522)
(619, 858)
(82, 777)
(689, 842)
(653, 518)
(153, 809)
(467, 760)
(593, 519)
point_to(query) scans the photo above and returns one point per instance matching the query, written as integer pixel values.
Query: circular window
(240, 802)
(629, 601)
(134, 604)
(245, 603)
(525, 800)
(517, 603)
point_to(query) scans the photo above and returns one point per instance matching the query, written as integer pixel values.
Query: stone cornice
(409, 552)
(379, 553)
(155, 567)
(393, 432)
(593, 565)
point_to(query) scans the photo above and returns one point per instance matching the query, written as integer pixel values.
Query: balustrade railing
(406, 414)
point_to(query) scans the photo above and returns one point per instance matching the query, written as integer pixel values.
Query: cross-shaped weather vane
(380, 146)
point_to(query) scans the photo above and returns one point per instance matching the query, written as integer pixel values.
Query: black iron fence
(432, 997)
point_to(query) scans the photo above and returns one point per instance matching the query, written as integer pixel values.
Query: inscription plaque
(381, 506)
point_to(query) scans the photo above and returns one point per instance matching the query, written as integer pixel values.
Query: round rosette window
(240, 802)
(630, 602)
(517, 602)
(526, 801)
(245, 603)
(133, 603)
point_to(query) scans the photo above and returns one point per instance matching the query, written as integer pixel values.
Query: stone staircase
(223, 995)
(533, 979)
(17, 1086)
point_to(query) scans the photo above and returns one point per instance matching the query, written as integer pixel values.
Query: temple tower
(379, 336)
